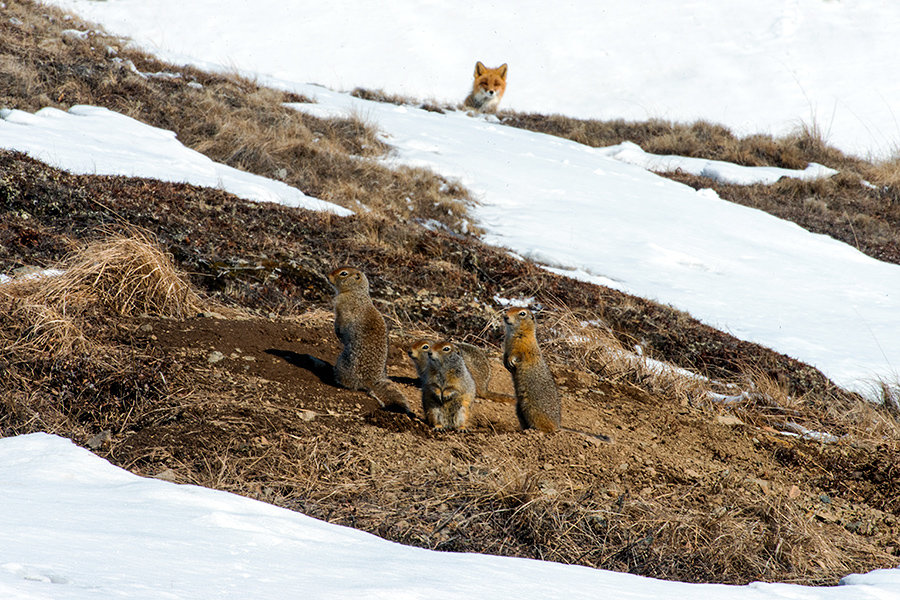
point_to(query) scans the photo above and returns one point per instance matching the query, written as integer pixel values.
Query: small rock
(214, 357)
(764, 486)
(146, 327)
(97, 441)
(210, 315)
(548, 489)
(306, 415)
(729, 420)
(794, 492)
(167, 475)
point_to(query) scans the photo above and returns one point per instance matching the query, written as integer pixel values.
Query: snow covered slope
(73, 527)
(595, 218)
(757, 66)
(577, 210)
(95, 141)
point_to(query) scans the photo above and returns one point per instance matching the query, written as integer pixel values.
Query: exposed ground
(223, 378)
(689, 490)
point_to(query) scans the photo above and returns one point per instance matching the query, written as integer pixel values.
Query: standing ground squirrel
(477, 362)
(362, 364)
(537, 398)
(447, 387)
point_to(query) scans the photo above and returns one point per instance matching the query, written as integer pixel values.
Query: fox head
(488, 87)
(491, 82)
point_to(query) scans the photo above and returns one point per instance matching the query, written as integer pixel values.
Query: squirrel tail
(390, 397)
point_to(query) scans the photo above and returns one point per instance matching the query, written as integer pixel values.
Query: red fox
(487, 89)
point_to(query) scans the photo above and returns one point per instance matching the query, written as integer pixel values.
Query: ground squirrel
(447, 387)
(477, 362)
(537, 398)
(362, 364)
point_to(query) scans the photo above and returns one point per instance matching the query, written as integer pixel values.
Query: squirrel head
(348, 278)
(518, 318)
(418, 349)
(442, 350)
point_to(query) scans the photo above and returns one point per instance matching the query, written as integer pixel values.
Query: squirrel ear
(502, 70)
(479, 69)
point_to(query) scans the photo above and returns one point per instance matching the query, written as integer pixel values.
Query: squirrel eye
(425, 347)
(446, 349)
(523, 314)
(344, 273)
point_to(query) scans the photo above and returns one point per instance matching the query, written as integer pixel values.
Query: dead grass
(764, 402)
(584, 340)
(125, 275)
(738, 532)
(118, 275)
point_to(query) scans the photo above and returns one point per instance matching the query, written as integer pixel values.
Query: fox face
(487, 88)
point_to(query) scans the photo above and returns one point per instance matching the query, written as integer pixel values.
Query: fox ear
(479, 69)
(502, 70)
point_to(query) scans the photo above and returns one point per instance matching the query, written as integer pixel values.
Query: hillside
(686, 491)
(691, 489)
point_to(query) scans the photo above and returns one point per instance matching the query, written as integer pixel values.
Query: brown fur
(362, 364)
(538, 404)
(487, 89)
(477, 362)
(447, 388)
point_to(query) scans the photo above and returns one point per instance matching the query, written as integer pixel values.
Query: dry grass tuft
(125, 275)
(29, 326)
(586, 342)
(119, 275)
(767, 403)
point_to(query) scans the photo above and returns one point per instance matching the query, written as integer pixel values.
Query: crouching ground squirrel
(477, 362)
(537, 398)
(447, 387)
(362, 364)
